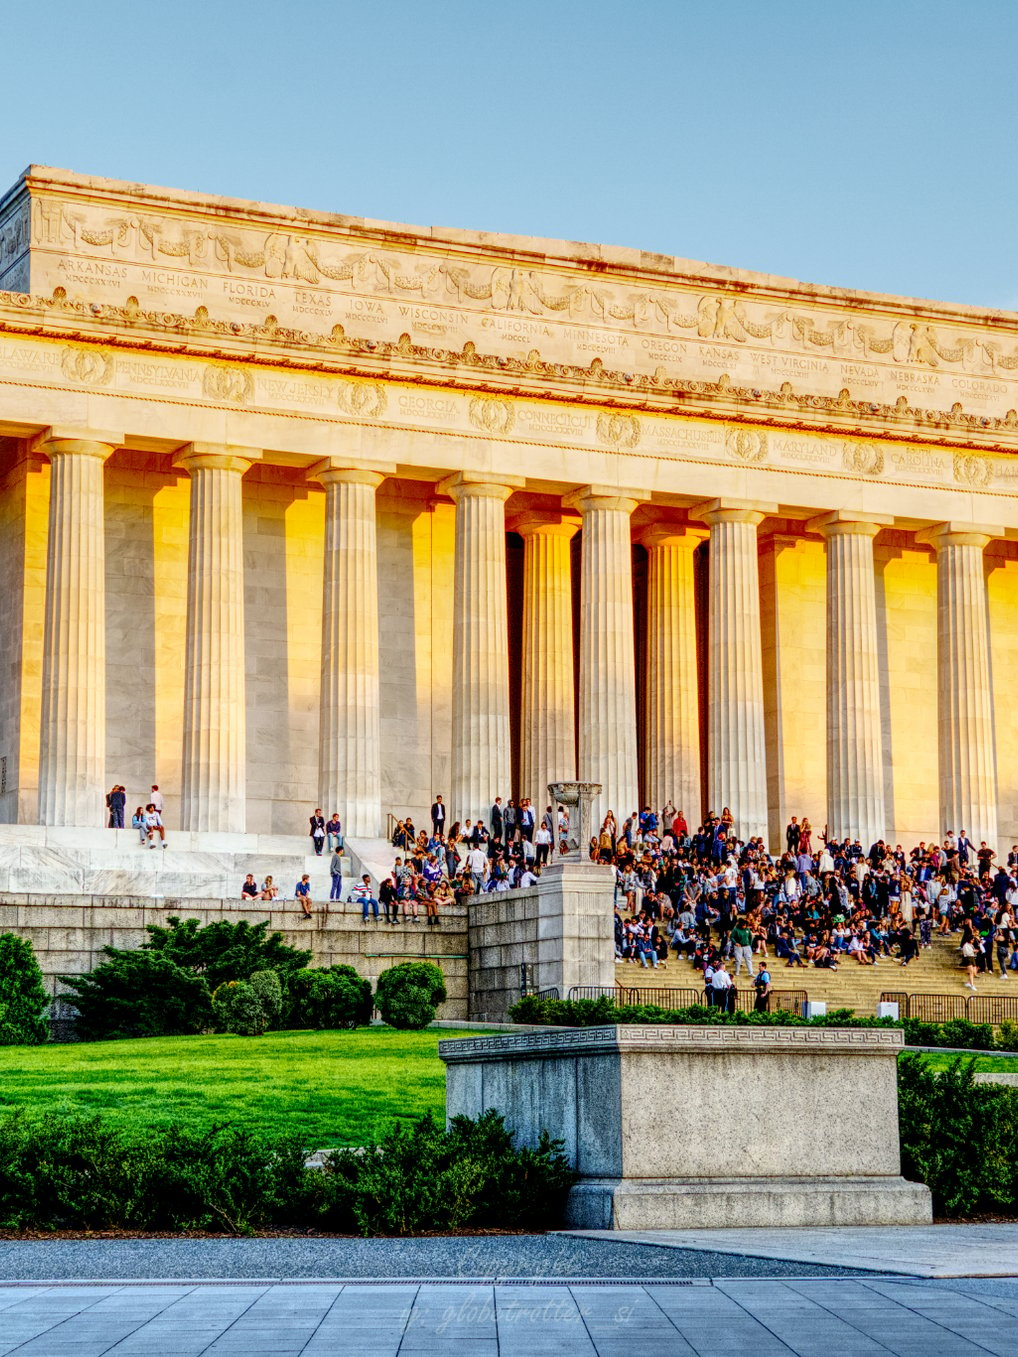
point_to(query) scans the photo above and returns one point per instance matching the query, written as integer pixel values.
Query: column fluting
(968, 766)
(736, 747)
(72, 752)
(855, 747)
(672, 740)
(548, 707)
(607, 715)
(213, 784)
(481, 749)
(349, 750)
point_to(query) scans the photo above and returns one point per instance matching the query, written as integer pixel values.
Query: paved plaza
(826, 1317)
(708, 1293)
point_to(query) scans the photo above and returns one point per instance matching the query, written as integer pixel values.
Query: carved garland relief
(508, 290)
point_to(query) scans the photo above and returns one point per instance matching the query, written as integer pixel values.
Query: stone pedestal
(560, 929)
(578, 799)
(814, 1141)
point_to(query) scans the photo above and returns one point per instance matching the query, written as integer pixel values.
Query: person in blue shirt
(303, 894)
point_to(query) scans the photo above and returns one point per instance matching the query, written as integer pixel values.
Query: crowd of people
(702, 896)
(715, 902)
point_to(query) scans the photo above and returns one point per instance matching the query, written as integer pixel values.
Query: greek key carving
(492, 415)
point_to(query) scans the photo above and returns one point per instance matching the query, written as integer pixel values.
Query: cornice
(270, 344)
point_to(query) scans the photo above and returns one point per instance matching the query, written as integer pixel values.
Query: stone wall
(69, 931)
(562, 928)
(502, 937)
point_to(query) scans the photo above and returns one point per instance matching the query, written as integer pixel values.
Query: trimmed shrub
(138, 994)
(408, 995)
(81, 1173)
(267, 986)
(238, 1008)
(958, 1136)
(329, 997)
(24, 1002)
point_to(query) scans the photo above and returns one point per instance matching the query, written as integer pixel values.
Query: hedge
(83, 1173)
(605, 1011)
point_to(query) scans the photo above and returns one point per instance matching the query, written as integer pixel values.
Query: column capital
(958, 534)
(548, 523)
(334, 471)
(622, 498)
(486, 485)
(712, 511)
(671, 535)
(77, 442)
(849, 523)
(215, 457)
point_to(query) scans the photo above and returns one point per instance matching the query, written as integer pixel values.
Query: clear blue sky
(864, 143)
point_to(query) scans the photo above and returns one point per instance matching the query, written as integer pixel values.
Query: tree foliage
(24, 1002)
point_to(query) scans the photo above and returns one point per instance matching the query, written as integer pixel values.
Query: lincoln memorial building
(300, 509)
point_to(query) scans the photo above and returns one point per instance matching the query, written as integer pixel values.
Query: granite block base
(717, 1203)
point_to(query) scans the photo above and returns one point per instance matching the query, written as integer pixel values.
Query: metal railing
(664, 996)
(982, 1008)
(675, 996)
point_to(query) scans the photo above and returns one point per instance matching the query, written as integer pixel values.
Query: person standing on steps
(317, 831)
(438, 816)
(336, 872)
(116, 801)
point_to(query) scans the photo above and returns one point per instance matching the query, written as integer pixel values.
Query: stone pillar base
(718, 1203)
(822, 1101)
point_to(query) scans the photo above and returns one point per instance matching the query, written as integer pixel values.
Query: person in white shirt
(542, 841)
(720, 984)
(477, 866)
(156, 798)
(154, 826)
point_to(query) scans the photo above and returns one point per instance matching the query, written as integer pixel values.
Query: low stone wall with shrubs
(68, 933)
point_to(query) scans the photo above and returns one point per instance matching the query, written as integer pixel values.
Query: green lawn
(336, 1088)
(997, 1064)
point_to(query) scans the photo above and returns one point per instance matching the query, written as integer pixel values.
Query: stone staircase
(934, 971)
(45, 860)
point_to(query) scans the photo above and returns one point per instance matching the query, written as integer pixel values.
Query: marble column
(72, 754)
(481, 749)
(349, 741)
(213, 791)
(607, 715)
(968, 769)
(736, 746)
(548, 708)
(855, 746)
(672, 742)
